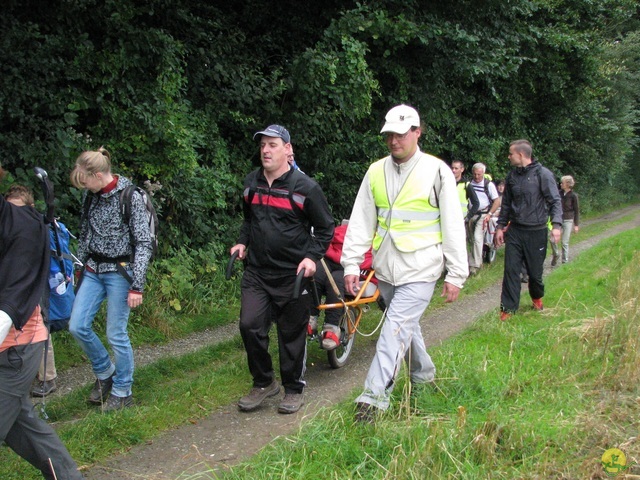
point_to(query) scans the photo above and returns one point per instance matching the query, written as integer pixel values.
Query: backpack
(61, 277)
(126, 197)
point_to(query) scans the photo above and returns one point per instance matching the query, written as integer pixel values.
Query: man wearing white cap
(408, 210)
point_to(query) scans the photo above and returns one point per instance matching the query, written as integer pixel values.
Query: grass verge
(541, 396)
(177, 391)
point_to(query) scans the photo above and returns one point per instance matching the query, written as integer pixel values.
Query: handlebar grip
(229, 271)
(296, 287)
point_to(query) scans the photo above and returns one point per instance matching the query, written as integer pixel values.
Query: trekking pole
(47, 190)
(229, 270)
(296, 287)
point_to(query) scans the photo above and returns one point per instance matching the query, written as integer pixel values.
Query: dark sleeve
(472, 196)
(551, 196)
(321, 219)
(505, 206)
(576, 210)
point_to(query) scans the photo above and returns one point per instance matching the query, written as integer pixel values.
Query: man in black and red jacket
(282, 206)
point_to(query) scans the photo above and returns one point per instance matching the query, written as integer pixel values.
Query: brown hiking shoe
(257, 395)
(291, 403)
(504, 316)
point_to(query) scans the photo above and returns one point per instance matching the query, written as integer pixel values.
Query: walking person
(488, 203)
(468, 198)
(530, 199)
(45, 382)
(281, 207)
(116, 256)
(24, 241)
(408, 210)
(570, 218)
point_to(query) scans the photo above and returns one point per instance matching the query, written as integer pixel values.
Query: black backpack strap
(291, 191)
(253, 186)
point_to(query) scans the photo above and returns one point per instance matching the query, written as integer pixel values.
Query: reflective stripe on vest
(414, 223)
(462, 193)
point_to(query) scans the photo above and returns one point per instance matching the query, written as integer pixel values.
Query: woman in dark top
(570, 218)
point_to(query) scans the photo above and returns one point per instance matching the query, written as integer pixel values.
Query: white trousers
(400, 339)
(476, 239)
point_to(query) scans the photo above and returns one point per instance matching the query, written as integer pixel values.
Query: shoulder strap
(125, 202)
(253, 185)
(291, 190)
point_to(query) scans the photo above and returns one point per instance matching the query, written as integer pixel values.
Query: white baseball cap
(400, 119)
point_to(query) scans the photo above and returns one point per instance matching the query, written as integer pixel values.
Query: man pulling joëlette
(408, 209)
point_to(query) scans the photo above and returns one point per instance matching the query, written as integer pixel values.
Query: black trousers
(523, 247)
(267, 299)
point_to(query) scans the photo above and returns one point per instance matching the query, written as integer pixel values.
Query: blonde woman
(570, 218)
(116, 256)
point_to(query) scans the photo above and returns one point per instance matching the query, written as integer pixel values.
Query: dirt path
(227, 436)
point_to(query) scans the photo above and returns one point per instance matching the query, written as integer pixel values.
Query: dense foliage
(176, 88)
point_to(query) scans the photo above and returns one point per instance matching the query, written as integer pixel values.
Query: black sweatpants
(266, 299)
(530, 247)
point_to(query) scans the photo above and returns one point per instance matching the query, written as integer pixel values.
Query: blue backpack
(61, 277)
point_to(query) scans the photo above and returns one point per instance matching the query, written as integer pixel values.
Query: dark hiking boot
(554, 260)
(257, 395)
(100, 391)
(42, 389)
(366, 413)
(117, 403)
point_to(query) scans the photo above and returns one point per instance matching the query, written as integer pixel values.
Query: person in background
(468, 198)
(570, 218)
(331, 328)
(530, 199)
(408, 210)
(489, 202)
(24, 241)
(281, 206)
(116, 256)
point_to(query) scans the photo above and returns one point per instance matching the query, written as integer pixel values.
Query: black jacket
(277, 225)
(24, 260)
(530, 198)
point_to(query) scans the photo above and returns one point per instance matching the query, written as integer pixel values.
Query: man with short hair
(488, 203)
(281, 207)
(468, 198)
(408, 210)
(530, 199)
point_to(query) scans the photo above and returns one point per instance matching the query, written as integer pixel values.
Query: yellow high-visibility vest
(411, 222)
(462, 193)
